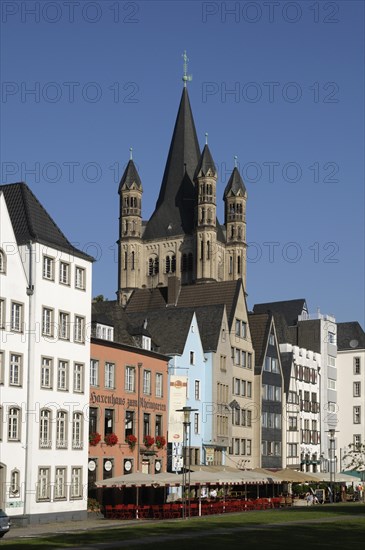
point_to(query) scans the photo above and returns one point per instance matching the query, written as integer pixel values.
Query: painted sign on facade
(178, 385)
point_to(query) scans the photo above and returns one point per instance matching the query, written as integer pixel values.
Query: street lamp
(332, 462)
(186, 460)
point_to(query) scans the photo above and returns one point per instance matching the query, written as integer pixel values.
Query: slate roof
(290, 309)
(31, 222)
(174, 212)
(113, 314)
(130, 177)
(235, 184)
(206, 163)
(350, 336)
(286, 365)
(259, 328)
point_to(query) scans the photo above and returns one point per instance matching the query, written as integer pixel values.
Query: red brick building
(128, 403)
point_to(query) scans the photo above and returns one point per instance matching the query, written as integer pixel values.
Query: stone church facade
(183, 237)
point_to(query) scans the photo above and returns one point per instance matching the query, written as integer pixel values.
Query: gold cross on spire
(186, 77)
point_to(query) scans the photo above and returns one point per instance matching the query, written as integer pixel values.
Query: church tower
(206, 217)
(235, 197)
(130, 231)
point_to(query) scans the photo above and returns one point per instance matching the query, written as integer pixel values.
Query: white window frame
(2, 261)
(61, 429)
(357, 389)
(159, 384)
(64, 325)
(2, 313)
(94, 373)
(48, 268)
(46, 373)
(130, 378)
(357, 365)
(47, 321)
(109, 381)
(77, 430)
(76, 483)
(14, 424)
(64, 275)
(16, 317)
(197, 390)
(59, 492)
(15, 369)
(45, 423)
(78, 377)
(62, 375)
(44, 484)
(80, 277)
(147, 382)
(79, 329)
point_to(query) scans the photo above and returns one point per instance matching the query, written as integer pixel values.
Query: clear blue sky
(107, 75)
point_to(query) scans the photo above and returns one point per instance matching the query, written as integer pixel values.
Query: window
(158, 425)
(248, 447)
(130, 379)
(14, 489)
(293, 423)
(80, 278)
(243, 359)
(170, 264)
(45, 429)
(61, 430)
(14, 424)
(153, 266)
(64, 273)
(192, 358)
(94, 372)
(292, 450)
(249, 360)
(271, 340)
(77, 421)
(331, 384)
(147, 382)
(76, 483)
(60, 484)
(79, 334)
(146, 424)
(236, 446)
(249, 389)
(46, 372)
(243, 388)
(47, 321)
(197, 390)
(196, 423)
(64, 326)
(223, 363)
(237, 356)
(159, 385)
(2, 313)
(78, 378)
(2, 261)
(2, 369)
(48, 268)
(357, 389)
(357, 441)
(331, 337)
(129, 423)
(15, 370)
(93, 420)
(331, 361)
(16, 317)
(43, 485)
(62, 375)
(109, 375)
(357, 365)
(271, 365)
(236, 386)
(109, 421)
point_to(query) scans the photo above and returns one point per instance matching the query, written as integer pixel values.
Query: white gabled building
(45, 293)
(351, 381)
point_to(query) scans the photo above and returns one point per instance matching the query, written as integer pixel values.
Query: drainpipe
(28, 332)
(138, 413)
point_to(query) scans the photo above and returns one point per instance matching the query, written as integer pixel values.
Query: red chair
(108, 511)
(156, 511)
(130, 511)
(176, 510)
(143, 512)
(167, 511)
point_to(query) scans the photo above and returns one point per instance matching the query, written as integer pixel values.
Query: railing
(77, 444)
(61, 444)
(45, 443)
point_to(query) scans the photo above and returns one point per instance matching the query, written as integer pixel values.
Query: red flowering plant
(94, 439)
(131, 440)
(111, 439)
(148, 440)
(160, 441)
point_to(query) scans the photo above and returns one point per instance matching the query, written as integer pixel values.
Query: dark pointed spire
(235, 184)
(174, 205)
(206, 163)
(130, 177)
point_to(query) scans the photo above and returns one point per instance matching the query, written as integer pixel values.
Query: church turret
(205, 216)
(130, 228)
(235, 197)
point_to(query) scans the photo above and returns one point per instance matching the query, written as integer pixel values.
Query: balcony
(45, 443)
(78, 445)
(61, 444)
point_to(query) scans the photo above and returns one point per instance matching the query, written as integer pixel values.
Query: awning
(338, 477)
(139, 479)
(293, 476)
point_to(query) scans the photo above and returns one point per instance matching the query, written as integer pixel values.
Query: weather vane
(130, 153)
(206, 138)
(187, 77)
(235, 160)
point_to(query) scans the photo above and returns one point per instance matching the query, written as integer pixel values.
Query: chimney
(173, 290)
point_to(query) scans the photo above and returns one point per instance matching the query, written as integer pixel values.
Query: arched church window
(230, 265)
(208, 250)
(201, 250)
(132, 260)
(239, 265)
(125, 260)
